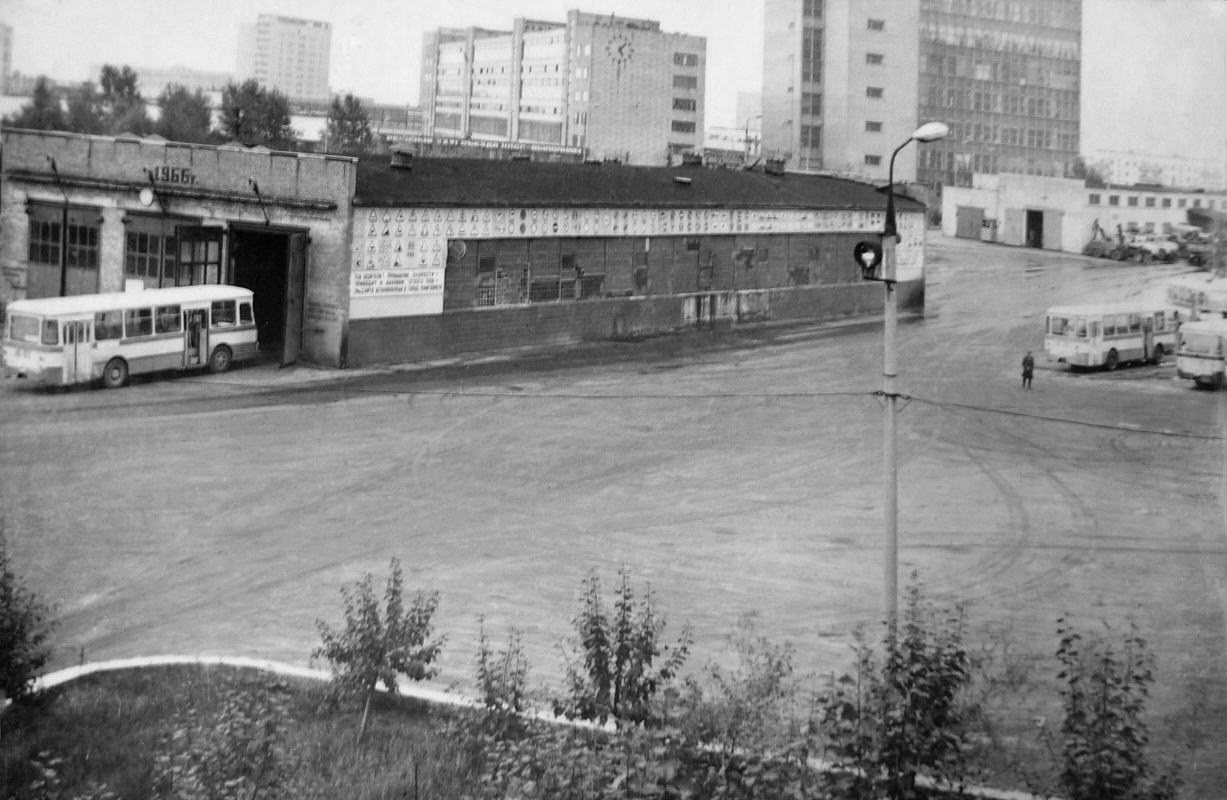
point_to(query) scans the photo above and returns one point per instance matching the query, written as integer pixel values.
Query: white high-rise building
(840, 84)
(288, 54)
(609, 87)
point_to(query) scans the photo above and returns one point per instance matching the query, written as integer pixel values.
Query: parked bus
(60, 341)
(1107, 334)
(1203, 349)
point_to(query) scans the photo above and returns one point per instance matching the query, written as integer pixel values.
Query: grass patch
(193, 731)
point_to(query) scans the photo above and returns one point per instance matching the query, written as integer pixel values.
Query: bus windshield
(24, 328)
(1067, 326)
(1204, 343)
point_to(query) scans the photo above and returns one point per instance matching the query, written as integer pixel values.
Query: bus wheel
(1156, 355)
(1112, 359)
(221, 359)
(115, 373)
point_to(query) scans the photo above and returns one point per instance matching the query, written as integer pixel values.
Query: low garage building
(1065, 213)
(357, 262)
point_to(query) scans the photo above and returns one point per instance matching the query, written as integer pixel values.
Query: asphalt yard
(735, 472)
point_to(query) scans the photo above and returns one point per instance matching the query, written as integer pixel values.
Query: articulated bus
(1107, 334)
(1202, 352)
(60, 341)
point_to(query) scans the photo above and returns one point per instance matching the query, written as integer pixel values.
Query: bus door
(1148, 336)
(1094, 340)
(78, 361)
(195, 337)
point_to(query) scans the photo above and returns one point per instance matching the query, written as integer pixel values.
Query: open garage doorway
(272, 263)
(1035, 228)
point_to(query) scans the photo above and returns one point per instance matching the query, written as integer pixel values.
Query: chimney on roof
(402, 158)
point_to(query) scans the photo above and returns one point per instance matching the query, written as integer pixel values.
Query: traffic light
(868, 256)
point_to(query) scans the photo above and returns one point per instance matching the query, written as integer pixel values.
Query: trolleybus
(59, 341)
(1107, 334)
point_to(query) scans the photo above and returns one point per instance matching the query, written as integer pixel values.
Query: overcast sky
(1155, 71)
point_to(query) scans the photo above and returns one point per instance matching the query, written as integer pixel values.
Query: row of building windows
(1057, 105)
(1061, 14)
(152, 250)
(1096, 198)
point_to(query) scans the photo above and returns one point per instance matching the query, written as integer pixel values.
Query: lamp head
(931, 132)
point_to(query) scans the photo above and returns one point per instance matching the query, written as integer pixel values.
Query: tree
(24, 630)
(185, 115)
(373, 649)
(118, 85)
(904, 714)
(256, 116)
(42, 113)
(1104, 736)
(349, 127)
(619, 664)
(84, 110)
(120, 105)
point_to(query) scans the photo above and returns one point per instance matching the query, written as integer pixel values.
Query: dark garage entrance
(272, 264)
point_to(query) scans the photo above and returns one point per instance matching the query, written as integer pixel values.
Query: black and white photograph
(532, 400)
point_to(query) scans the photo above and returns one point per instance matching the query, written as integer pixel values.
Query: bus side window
(138, 322)
(222, 313)
(108, 325)
(245, 315)
(1094, 330)
(167, 319)
(1081, 329)
(51, 331)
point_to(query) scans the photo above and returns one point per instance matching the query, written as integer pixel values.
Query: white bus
(1202, 352)
(59, 341)
(1108, 334)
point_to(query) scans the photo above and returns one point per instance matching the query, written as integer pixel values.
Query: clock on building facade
(620, 50)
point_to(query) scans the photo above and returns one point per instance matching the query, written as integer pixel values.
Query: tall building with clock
(600, 86)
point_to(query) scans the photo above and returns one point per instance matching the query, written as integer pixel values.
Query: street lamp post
(929, 132)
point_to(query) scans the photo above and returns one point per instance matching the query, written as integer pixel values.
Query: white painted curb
(60, 677)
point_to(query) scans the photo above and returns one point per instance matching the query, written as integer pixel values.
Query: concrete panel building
(1005, 76)
(615, 88)
(840, 85)
(389, 260)
(288, 54)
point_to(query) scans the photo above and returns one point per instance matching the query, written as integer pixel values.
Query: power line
(943, 404)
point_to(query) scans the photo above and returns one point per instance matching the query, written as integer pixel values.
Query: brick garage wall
(409, 339)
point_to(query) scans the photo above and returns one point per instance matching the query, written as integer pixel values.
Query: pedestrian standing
(1028, 367)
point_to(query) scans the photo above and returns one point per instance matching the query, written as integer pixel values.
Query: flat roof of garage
(490, 183)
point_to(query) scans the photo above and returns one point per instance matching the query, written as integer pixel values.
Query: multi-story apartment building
(839, 84)
(287, 54)
(1004, 76)
(153, 80)
(846, 81)
(1131, 167)
(614, 87)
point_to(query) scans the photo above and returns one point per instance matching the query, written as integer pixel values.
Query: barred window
(151, 248)
(47, 234)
